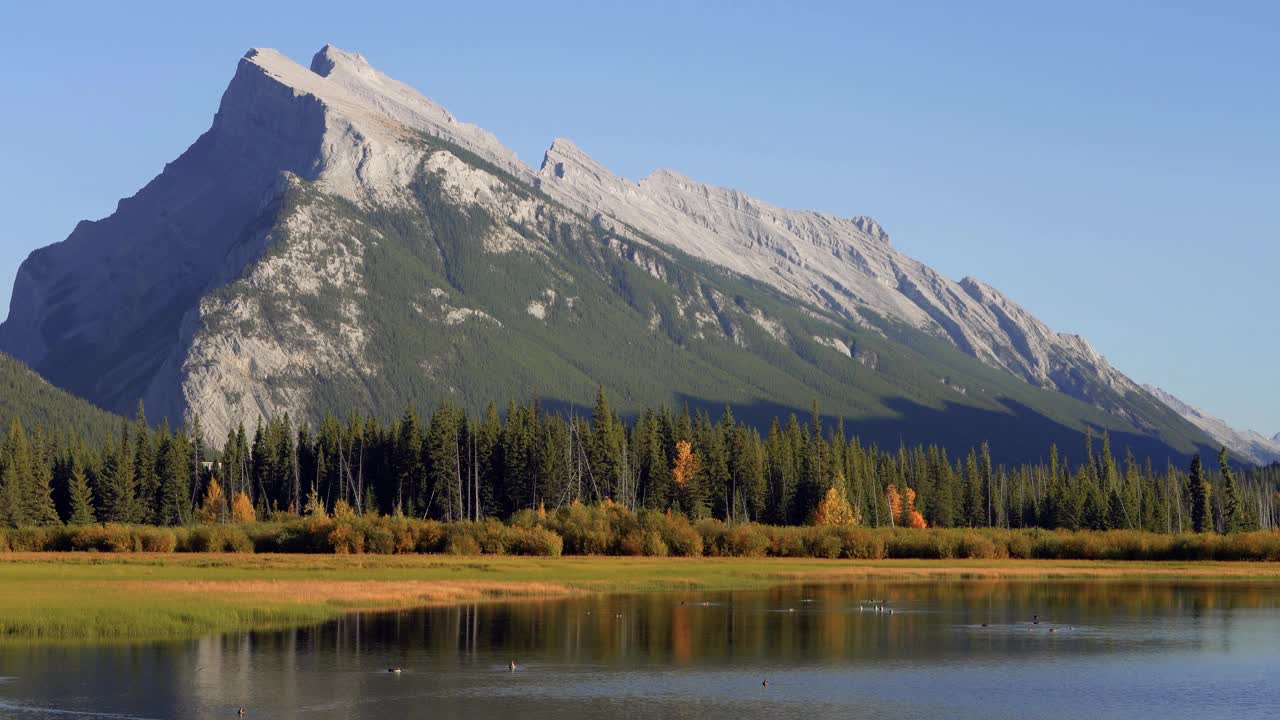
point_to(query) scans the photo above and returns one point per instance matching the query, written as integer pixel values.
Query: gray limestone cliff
(287, 193)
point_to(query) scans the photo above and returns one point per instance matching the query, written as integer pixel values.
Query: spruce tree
(1201, 496)
(16, 476)
(38, 494)
(974, 503)
(80, 498)
(120, 497)
(10, 515)
(1232, 511)
(174, 496)
(144, 469)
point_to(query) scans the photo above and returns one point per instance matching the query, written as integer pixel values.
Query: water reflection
(985, 649)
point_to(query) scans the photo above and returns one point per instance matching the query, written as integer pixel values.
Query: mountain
(846, 266)
(26, 396)
(1249, 445)
(336, 240)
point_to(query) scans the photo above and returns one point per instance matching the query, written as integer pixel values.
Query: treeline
(451, 467)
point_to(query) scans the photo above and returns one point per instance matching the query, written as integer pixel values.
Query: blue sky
(1114, 167)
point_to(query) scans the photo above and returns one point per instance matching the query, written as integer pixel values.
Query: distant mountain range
(1250, 446)
(336, 240)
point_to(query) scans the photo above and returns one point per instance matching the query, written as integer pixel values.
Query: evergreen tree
(15, 476)
(174, 497)
(10, 499)
(146, 480)
(80, 499)
(117, 493)
(1201, 495)
(975, 503)
(38, 494)
(1233, 518)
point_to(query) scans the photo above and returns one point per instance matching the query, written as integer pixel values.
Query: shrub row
(610, 529)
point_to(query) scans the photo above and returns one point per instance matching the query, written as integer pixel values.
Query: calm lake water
(1117, 650)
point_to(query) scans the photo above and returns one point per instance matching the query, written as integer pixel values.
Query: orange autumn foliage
(686, 464)
(210, 510)
(902, 507)
(242, 509)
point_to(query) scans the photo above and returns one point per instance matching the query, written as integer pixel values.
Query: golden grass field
(111, 597)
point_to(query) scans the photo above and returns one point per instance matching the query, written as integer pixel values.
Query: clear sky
(1114, 167)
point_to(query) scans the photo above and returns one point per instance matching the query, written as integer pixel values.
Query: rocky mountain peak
(340, 127)
(871, 228)
(329, 57)
(563, 157)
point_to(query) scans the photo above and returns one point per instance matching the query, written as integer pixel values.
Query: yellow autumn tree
(314, 506)
(834, 508)
(895, 504)
(211, 507)
(242, 509)
(686, 463)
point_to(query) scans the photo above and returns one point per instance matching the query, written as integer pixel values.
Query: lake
(1100, 649)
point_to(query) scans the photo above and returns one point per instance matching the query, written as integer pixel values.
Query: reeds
(611, 529)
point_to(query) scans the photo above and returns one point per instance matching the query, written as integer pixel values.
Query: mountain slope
(1247, 444)
(26, 396)
(845, 265)
(336, 240)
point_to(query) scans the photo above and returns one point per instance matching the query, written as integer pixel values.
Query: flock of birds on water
(874, 606)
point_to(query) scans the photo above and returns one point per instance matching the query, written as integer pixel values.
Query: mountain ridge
(302, 170)
(1248, 444)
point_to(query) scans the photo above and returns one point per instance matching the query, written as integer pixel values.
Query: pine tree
(1201, 495)
(174, 493)
(975, 505)
(10, 515)
(80, 498)
(986, 511)
(115, 492)
(38, 494)
(16, 476)
(411, 490)
(147, 482)
(487, 450)
(1232, 511)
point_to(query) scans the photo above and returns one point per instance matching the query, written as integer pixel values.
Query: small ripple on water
(37, 711)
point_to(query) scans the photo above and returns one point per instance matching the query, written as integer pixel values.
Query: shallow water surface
(949, 649)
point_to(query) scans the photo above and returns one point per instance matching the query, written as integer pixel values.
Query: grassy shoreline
(147, 596)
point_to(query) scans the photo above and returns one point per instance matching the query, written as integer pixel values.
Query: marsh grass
(610, 529)
(65, 597)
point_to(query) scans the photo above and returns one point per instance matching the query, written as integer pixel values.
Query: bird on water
(511, 666)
